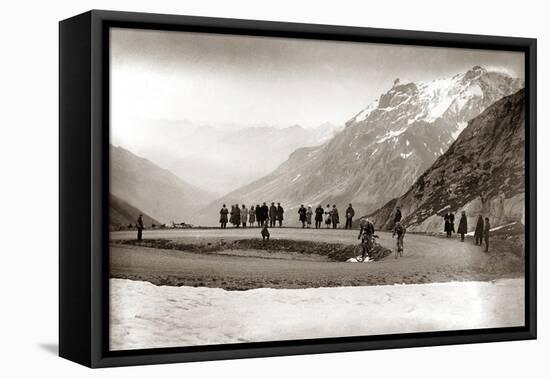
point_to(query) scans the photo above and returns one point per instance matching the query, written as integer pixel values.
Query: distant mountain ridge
(153, 190)
(385, 147)
(222, 161)
(483, 172)
(122, 214)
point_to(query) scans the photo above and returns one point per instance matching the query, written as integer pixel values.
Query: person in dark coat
(486, 229)
(398, 216)
(350, 213)
(272, 214)
(232, 215)
(280, 214)
(302, 211)
(335, 218)
(264, 213)
(449, 223)
(319, 216)
(478, 234)
(139, 224)
(259, 215)
(237, 215)
(463, 226)
(223, 216)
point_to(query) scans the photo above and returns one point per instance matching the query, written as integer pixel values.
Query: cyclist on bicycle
(366, 235)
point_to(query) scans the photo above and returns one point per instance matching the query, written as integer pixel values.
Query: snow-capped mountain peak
(391, 141)
(460, 98)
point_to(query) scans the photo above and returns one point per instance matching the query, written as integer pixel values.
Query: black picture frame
(84, 187)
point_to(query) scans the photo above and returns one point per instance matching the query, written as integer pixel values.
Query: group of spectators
(481, 233)
(256, 215)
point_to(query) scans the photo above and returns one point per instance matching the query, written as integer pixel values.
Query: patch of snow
(407, 142)
(444, 208)
(365, 113)
(405, 156)
(297, 177)
(502, 226)
(460, 128)
(147, 316)
(391, 134)
(358, 260)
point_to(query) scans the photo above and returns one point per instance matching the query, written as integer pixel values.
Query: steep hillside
(385, 147)
(154, 190)
(487, 162)
(122, 214)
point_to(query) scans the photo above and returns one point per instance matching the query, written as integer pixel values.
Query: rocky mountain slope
(482, 172)
(122, 214)
(385, 147)
(155, 191)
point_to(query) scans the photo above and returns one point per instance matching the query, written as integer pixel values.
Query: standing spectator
(309, 215)
(319, 216)
(139, 224)
(400, 231)
(463, 226)
(237, 211)
(264, 213)
(449, 223)
(272, 214)
(259, 215)
(328, 214)
(252, 216)
(486, 229)
(478, 234)
(302, 213)
(280, 214)
(350, 213)
(232, 215)
(335, 218)
(244, 216)
(223, 216)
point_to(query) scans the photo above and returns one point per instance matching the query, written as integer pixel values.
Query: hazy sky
(220, 79)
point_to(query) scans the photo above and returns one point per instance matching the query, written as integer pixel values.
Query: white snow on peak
(391, 134)
(365, 113)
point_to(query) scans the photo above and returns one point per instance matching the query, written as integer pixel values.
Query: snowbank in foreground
(147, 316)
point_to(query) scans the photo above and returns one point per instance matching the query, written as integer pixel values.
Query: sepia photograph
(271, 189)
